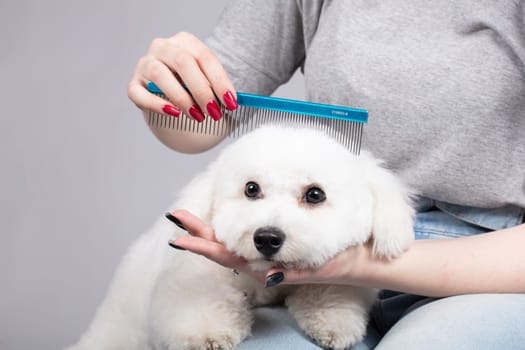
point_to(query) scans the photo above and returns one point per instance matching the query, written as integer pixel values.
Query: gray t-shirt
(443, 81)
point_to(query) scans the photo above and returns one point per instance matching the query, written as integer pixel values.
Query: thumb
(279, 276)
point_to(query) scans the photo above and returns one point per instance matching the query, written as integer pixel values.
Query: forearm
(486, 263)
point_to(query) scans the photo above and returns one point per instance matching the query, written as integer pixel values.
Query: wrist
(366, 269)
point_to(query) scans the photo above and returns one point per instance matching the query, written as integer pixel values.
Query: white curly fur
(166, 299)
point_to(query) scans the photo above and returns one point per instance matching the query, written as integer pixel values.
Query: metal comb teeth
(344, 124)
(187, 124)
(245, 119)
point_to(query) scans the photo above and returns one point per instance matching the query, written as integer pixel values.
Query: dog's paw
(211, 342)
(335, 317)
(330, 339)
(217, 333)
(218, 338)
(220, 332)
(337, 338)
(333, 329)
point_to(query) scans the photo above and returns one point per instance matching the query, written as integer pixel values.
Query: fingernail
(230, 101)
(173, 245)
(274, 279)
(169, 109)
(196, 113)
(213, 110)
(175, 221)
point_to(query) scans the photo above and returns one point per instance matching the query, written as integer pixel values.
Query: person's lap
(470, 322)
(479, 321)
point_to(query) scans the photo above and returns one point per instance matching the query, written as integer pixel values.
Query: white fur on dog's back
(121, 321)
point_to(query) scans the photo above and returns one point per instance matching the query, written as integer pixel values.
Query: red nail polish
(169, 109)
(230, 101)
(213, 110)
(196, 113)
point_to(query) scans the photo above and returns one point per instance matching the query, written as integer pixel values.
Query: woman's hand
(202, 241)
(338, 270)
(182, 60)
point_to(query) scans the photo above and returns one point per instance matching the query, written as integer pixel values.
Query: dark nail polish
(274, 279)
(230, 101)
(169, 109)
(196, 113)
(173, 245)
(175, 221)
(213, 110)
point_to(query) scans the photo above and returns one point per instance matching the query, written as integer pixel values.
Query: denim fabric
(491, 218)
(467, 322)
(437, 219)
(405, 321)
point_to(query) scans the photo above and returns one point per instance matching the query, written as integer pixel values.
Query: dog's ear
(392, 225)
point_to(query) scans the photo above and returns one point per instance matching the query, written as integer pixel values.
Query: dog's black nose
(268, 240)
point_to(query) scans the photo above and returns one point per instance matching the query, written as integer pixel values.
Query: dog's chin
(266, 264)
(261, 264)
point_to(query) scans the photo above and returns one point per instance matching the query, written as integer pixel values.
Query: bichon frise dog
(279, 196)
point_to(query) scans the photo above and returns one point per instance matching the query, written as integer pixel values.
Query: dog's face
(292, 198)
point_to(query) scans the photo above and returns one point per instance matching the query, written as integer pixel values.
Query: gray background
(81, 174)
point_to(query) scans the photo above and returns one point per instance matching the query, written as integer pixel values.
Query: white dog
(279, 196)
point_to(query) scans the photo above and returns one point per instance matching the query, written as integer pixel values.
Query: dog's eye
(314, 195)
(252, 189)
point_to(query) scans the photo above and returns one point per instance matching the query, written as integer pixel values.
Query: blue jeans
(405, 321)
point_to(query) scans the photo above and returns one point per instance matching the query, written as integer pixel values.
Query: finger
(157, 72)
(292, 276)
(211, 67)
(191, 74)
(211, 250)
(147, 101)
(217, 76)
(274, 277)
(194, 225)
(176, 221)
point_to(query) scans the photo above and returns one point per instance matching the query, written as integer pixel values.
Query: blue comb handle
(293, 106)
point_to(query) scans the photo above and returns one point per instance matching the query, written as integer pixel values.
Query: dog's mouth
(264, 264)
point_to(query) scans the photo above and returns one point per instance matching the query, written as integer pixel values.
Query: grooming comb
(345, 124)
